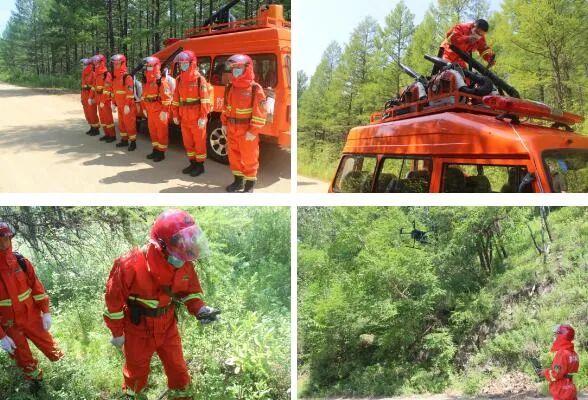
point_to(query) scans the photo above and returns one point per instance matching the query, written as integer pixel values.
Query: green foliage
(244, 356)
(45, 39)
(541, 49)
(381, 314)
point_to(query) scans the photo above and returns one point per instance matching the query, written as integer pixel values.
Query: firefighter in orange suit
(190, 107)
(244, 116)
(141, 294)
(123, 87)
(156, 103)
(89, 105)
(565, 363)
(24, 310)
(103, 97)
(469, 37)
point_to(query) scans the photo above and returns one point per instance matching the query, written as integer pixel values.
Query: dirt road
(43, 148)
(311, 185)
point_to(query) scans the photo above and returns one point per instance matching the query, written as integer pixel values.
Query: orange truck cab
(456, 143)
(266, 39)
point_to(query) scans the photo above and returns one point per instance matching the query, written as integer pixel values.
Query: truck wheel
(216, 141)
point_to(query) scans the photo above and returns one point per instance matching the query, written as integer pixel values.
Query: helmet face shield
(151, 61)
(189, 244)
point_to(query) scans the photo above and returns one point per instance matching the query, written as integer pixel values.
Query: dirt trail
(311, 185)
(451, 397)
(44, 149)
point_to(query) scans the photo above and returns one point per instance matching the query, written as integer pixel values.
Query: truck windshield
(567, 170)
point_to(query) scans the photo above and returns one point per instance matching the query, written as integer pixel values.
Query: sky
(316, 23)
(6, 7)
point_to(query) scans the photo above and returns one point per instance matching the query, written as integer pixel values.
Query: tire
(216, 141)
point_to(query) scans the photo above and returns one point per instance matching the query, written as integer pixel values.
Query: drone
(416, 235)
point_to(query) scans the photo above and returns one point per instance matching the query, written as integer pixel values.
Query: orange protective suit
(244, 112)
(90, 110)
(123, 87)
(103, 96)
(157, 96)
(144, 282)
(461, 36)
(565, 363)
(191, 103)
(22, 302)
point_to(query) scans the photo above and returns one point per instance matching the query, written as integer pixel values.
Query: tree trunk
(110, 27)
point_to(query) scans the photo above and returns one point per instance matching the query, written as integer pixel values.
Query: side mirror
(526, 183)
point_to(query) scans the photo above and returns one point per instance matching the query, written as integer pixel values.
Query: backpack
(21, 261)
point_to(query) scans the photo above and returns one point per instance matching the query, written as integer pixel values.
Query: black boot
(198, 169)
(152, 155)
(94, 132)
(103, 138)
(249, 185)
(110, 139)
(188, 170)
(160, 156)
(122, 143)
(132, 146)
(236, 186)
(89, 131)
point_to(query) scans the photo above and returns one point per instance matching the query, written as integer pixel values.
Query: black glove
(207, 315)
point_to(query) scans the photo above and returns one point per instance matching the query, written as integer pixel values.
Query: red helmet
(180, 235)
(151, 61)
(98, 58)
(239, 59)
(119, 58)
(566, 331)
(6, 230)
(185, 56)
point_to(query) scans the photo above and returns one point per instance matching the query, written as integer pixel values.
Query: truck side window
(220, 75)
(568, 170)
(266, 70)
(404, 175)
(204, 64)
(478, 178)
(355, 174)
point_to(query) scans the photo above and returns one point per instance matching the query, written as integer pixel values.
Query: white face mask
(184, 66)
(149, 69)
(237, 72)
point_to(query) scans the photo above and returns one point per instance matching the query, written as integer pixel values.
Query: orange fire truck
(266, 39)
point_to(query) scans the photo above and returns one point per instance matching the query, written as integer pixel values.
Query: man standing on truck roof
(123, 87)
(89, 105)
(469, 37)
(244, 116)
(103, 97)
(156, 102)
(565, 363)
(24, 310)
(190, 107)
(142, 292)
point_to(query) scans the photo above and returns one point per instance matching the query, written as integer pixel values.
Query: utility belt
(151, 99)
(189, 102)
(137, 311)
(99, 91)
(86, 87)
(239, 121)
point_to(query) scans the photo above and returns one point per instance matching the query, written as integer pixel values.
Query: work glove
(90, 101)
(201, 123)
(163, 116)
(46, 321)
(101, 105)
(250, 137)
(8, 344)
(145, 113)
(176, 121)
(207, 315)
(118, 341)
(127, 110)
(113, 106)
